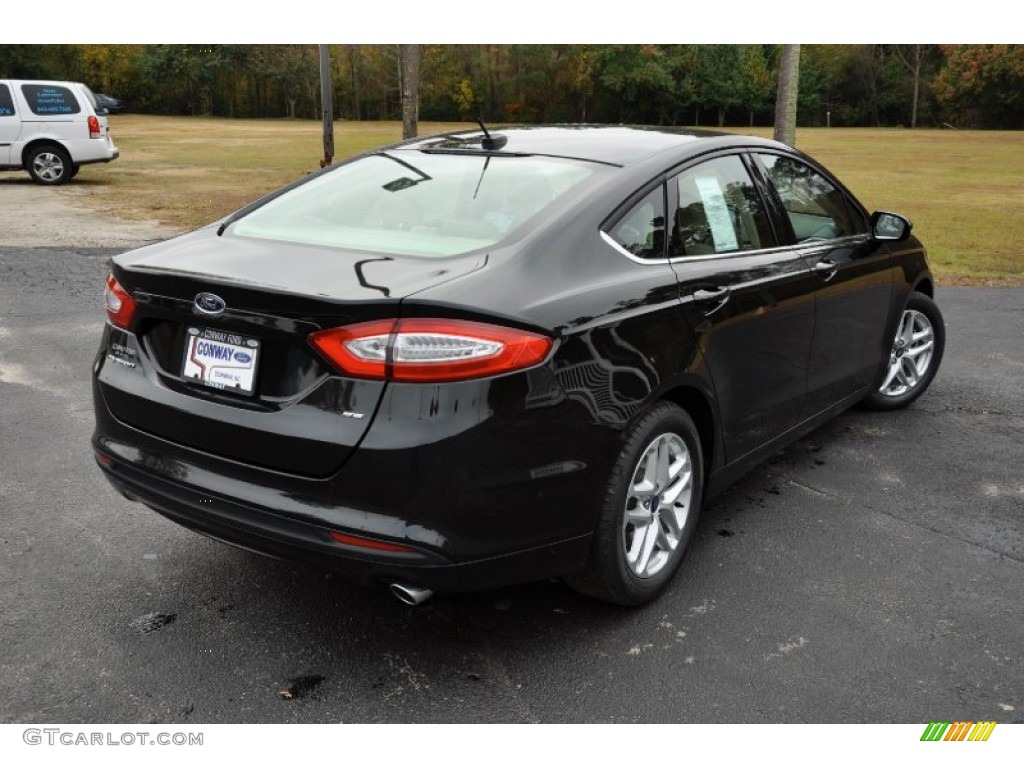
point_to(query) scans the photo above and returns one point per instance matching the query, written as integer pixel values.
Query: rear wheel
(650, 511)
(915, 355)
(49, 164)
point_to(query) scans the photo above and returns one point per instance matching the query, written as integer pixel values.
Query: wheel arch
(698, 406)
(926, 286)
(41, 141)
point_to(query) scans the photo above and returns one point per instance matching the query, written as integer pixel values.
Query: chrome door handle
(827, 268)
(705, 296)
(718, 297)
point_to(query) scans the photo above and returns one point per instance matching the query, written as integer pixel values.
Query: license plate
(221, 360)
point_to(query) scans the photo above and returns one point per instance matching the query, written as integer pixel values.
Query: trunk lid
(302, 416)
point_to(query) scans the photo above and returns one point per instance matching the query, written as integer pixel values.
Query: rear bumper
(87, 151)
(308, 540)
(105, 159)
(481, 506)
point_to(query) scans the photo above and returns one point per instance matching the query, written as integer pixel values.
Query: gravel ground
(34, 215)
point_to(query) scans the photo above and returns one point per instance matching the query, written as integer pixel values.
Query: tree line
(978, 86)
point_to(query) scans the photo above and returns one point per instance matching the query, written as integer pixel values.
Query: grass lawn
(962, 189)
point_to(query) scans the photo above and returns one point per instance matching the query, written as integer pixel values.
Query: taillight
(359, 541)
(429, 350)
(94, 127)
(120, 305)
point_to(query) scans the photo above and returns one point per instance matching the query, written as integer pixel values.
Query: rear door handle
(718, 297)
(826, 268)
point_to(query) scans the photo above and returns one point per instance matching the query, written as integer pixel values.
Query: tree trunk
(785, 98)
(409, 56)
(357, 110)
(917, 85)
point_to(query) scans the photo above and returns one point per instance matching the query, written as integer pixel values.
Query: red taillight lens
(94, 127)
(359, 541)
(120, 305)
(429, 350)
(104, 460)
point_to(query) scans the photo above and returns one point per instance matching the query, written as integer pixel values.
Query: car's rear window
(419, 204)
(50, 99)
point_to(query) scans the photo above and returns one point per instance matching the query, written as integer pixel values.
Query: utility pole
(785, 97)
(327, 104)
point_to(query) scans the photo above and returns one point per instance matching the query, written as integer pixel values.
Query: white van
(50, 129)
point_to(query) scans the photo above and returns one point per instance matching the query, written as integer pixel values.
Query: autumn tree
(983, 85)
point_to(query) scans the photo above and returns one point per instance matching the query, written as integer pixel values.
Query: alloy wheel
(48, 166)
(657, 505)
(911, 354)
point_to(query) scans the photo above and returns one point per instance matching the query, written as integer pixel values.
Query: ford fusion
(483, 358)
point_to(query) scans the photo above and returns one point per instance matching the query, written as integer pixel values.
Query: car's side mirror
(890, 226)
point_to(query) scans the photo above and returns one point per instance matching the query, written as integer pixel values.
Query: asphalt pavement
(872, 572)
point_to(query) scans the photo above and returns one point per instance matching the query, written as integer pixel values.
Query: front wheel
(915, 355)
(49, 164)
(650, 511)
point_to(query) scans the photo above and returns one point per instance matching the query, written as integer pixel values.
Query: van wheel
(74, 171)
(49, 164)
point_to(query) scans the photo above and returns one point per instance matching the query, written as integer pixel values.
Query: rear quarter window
(50, 100)
(6, 102)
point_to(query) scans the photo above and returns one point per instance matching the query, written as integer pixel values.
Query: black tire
(48, 164)
(74, 171)
(610, 574)
(907, 376)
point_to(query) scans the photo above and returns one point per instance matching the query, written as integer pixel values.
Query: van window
(50, 100)
(6, 102)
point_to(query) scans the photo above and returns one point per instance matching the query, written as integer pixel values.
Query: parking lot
(872, 572)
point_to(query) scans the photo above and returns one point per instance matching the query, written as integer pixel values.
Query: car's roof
(615, 144)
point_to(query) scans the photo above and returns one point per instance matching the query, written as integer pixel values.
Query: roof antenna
(491, 143)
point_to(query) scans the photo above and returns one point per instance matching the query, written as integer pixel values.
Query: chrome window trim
(686, 259)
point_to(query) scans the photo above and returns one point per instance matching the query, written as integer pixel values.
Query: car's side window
(6, 102)
(50, 100)
(719, 211)
(641, 231)
(816, 208)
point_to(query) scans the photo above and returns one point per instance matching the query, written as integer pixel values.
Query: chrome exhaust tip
(411, 595)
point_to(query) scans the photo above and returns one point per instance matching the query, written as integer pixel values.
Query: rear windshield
(417, 204)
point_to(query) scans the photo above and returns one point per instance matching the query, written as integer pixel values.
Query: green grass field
(962, 189)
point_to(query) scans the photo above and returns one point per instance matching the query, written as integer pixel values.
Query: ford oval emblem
(210, 303)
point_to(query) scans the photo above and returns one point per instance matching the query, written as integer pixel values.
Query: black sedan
(110, 104)
(477, 359)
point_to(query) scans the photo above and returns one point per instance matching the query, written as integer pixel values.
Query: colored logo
(242, 357)
(210, 303)
(959, 731)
